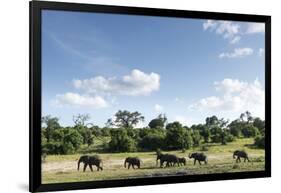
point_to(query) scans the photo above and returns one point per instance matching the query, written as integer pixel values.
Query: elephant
(239, 154)
(170, 159)
(198, 157)
(133, 161)
(182, 161)
(90, 160)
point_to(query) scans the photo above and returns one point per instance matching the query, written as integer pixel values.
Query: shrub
(250, 131)
(260, 141)
(121, 141)
(152, 141)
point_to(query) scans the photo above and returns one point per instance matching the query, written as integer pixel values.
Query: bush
(121, 141)
(250, 131)
(260, 141)
(178, 137)
(152, 141)
(63, 141)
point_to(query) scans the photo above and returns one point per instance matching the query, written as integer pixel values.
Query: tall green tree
(158, 122)
(126, 119)
(51, 124)
(178, 137)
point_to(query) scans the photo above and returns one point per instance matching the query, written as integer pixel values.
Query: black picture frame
(36, 8)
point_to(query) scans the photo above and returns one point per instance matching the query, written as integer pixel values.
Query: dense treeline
(119, 134)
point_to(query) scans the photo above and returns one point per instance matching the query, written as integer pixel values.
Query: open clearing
(63, 168)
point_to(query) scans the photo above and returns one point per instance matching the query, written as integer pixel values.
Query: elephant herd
(167, 159)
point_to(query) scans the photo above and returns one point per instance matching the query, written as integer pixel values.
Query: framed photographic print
(126, 96)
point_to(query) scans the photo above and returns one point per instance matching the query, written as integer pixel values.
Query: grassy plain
(63, 168)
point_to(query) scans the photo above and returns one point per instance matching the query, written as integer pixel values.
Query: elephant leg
(205, 161)
(245, 159)
(129, 165)
(248, 159)
(239, 159)
(194, 161)
(85, 166)
(161, 163)
(91, 167)
(133, 165)
(199, 162)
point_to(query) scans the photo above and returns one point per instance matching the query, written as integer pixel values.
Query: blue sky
(186, 68)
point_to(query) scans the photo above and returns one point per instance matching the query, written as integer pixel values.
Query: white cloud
(255, 28)
(233, 31)
(237, 96)
(237, 53)
(209, 24)
(235, 40)
(261, 52)
(135, 84)
(227, 29)
(158, 108)
(77, 100)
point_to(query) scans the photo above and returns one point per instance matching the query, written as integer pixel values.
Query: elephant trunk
(234, 155)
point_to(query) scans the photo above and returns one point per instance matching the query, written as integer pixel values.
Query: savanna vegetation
(120, 138)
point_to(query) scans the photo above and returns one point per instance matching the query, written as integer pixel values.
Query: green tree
(153, 139)
(260, 124)
(260, 141)
(250, 131)
(178, 137)
(51, 124)
(125, 119)
(64, 141)
(158, 122)
(196, 137)
(121, 141)
(235, 127)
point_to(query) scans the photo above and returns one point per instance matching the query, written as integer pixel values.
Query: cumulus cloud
(255, 28)
(237, 96)
(135, 84)
(237, 53)
(158, 108)
(77, 100)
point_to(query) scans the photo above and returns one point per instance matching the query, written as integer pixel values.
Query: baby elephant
(90, 160)
(239, 154)
(132, 161)
(182, 161)
(198, 156)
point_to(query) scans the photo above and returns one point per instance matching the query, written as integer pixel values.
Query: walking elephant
(132, 161)
(90, 160)
(171, 160)
(238, 154)
(198, 157)
(182, 161)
